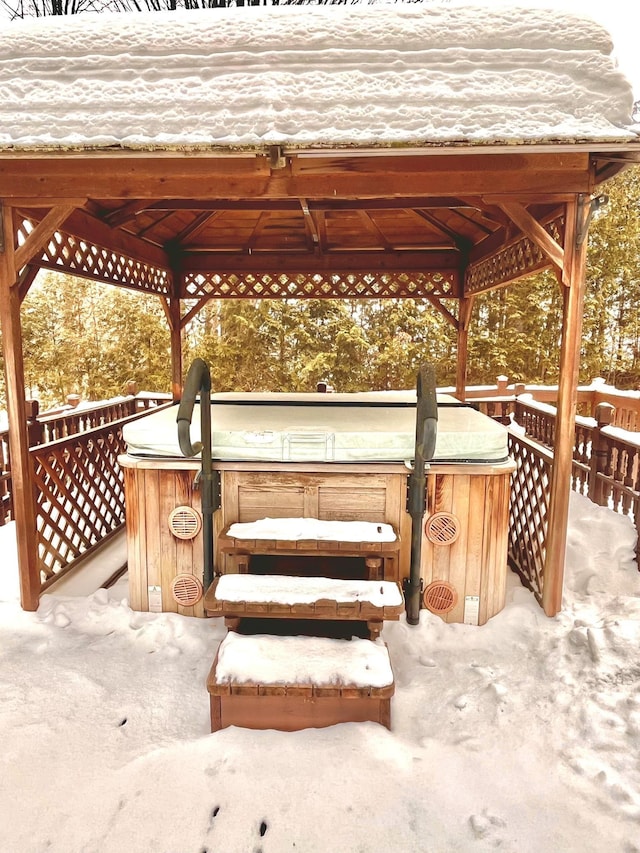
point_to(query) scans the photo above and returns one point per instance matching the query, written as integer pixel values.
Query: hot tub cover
(321, 428)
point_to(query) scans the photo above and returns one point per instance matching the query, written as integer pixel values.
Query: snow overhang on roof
(311, 77)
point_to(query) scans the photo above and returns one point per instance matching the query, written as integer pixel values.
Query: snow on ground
(522, 735)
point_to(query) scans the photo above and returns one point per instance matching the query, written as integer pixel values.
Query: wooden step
(291, 537)
(236, 596)
(292, 683)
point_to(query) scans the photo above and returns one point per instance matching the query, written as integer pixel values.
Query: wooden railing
(499, 400)
(70, 421)
(528, 510)
(79, 495)
(606, 458)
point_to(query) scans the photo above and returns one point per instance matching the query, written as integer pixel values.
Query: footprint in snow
(485, 825)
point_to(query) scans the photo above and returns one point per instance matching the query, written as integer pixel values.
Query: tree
(86, 338)
(43, 8)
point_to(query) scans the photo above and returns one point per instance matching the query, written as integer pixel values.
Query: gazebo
(428, 153)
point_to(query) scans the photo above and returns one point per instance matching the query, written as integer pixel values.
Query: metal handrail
(198, 381)
(426, 433)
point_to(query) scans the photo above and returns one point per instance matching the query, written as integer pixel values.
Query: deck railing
(606, 468)
(528, 510)
(79, 496)
(66, 422)
(499, 400)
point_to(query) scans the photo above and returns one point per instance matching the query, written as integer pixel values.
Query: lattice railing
(528, 511)
(66, 253)
(346, 285)
(519, 258)
(79, 495)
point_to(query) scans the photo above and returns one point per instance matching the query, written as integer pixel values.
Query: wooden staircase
(302, 651)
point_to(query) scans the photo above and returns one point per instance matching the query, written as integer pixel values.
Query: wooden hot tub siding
(477, 494)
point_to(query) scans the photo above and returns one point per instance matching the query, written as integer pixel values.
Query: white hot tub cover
(321, 428)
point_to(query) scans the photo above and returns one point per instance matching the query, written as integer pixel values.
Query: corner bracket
(588, 210)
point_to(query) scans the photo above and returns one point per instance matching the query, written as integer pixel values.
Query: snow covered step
(284, 597)
(377, 543)
(292, 683)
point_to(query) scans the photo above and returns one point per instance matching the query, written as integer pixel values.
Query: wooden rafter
(490, 211)
(196, 226)
(457, 241)
(313, 237)
(126, 213)
(92, 230)
(258, 228)
(153, 225)
(467, 218)
(373, 228)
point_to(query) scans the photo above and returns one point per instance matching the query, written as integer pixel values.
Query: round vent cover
(440, 597)
(186, 590)
(184, 522)
(442, 528)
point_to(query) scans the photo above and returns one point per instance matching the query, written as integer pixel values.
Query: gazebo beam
(308, 262)
(560, 487)
(21, 478)
(141, 176)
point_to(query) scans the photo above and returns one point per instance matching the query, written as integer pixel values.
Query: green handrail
(426, 433)
(198, 381)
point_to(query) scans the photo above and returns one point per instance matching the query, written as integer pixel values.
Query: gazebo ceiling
(439, 214)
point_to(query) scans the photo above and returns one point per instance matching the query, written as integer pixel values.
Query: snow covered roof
(310, 77)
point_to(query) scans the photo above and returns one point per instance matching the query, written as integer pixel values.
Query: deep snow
(404, 74)
(522, 735)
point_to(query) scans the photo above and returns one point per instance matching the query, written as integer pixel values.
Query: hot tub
(327, 456)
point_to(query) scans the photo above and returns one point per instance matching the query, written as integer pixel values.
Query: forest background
(85, 338)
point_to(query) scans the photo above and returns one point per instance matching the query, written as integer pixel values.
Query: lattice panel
(528, 511)
(520, 258)
(79, 495)
(319, 285)
(66, 253)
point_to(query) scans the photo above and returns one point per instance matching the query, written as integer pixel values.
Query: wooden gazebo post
(465, 307)
(573, 282)
(175, 327)
(21, 480)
